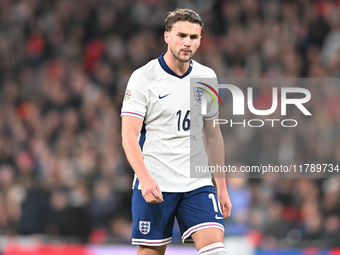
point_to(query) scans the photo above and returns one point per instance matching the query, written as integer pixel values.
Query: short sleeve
(135, 98)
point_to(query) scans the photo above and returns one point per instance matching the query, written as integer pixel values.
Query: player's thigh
(150, 250)
(207, 236)
(199, 210)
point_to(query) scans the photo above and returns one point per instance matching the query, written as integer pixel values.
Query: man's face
(183, 40)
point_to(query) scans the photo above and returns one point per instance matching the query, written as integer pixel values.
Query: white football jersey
(162, 99)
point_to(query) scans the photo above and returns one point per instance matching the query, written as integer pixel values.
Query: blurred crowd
(64, 66)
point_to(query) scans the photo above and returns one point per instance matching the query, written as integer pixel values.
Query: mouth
(186, 51)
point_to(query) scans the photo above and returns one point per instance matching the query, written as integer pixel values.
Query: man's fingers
(153, 196)
(158, 194)
(226, 210)
(151, 199)
(159, 191)
(226, 214)
(158, 197)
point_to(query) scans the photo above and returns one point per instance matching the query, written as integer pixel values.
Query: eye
(193, 37)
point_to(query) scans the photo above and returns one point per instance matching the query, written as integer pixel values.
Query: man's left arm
(214, 145)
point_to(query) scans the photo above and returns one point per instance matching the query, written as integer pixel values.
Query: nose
(187, 41)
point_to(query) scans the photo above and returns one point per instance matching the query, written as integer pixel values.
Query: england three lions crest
(198, 92)
(144, 227)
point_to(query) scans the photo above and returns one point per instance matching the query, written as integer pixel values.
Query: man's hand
(151, 191)
(225, 203)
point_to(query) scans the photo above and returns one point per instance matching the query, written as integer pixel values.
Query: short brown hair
(182, 15)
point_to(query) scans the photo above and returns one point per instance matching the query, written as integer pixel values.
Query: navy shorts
(194, 210)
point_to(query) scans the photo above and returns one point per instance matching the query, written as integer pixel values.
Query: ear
(166, 37)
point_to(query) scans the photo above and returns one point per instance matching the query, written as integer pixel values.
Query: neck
(175, 65)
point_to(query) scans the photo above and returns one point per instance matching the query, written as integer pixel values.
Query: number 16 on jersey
(183, 123)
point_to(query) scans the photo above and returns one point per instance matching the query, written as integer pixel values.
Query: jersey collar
(169, 71)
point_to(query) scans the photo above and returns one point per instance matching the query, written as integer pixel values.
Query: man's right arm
(131, 127)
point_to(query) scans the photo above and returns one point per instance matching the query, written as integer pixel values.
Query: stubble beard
(177, 56)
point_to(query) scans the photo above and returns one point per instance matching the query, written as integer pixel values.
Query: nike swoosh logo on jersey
(161, 97)
(218, 218)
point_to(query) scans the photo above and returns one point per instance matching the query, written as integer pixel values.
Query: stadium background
(64, 65)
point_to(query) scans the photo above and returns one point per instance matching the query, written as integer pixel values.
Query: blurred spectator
(65, 219)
